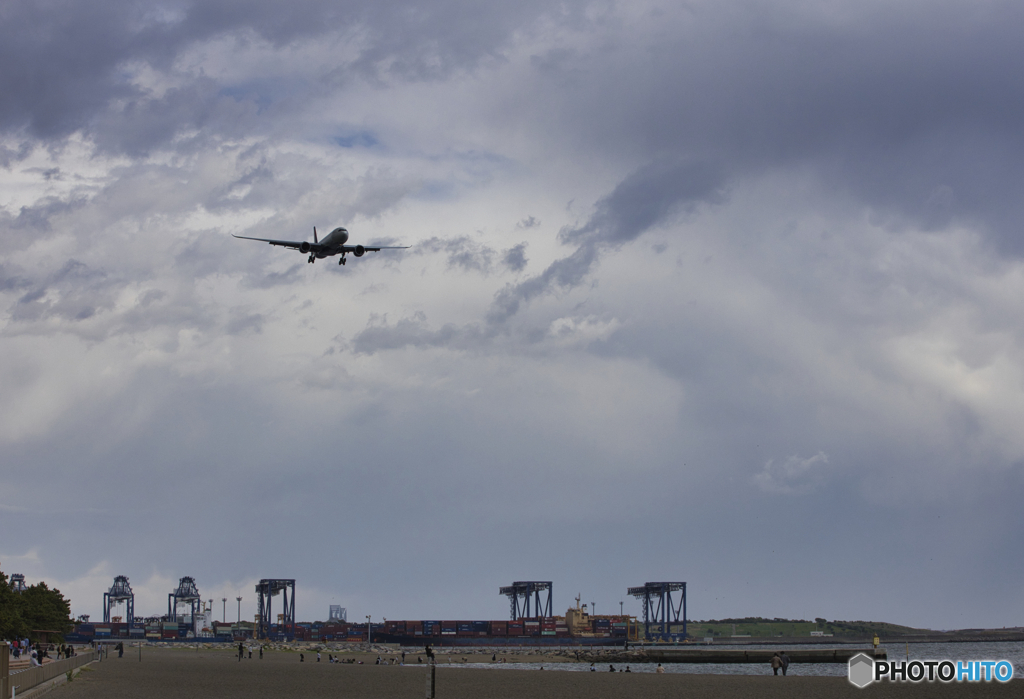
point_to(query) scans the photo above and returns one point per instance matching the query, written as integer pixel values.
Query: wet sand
(172, 672)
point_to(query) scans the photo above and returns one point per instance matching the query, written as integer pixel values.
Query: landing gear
(311, 259)
(342, 260)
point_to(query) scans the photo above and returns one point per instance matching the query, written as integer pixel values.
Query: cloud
(791, 230)
(794, 476)
(515, 258)
(379, 335)
(462, 252)
(648, 197)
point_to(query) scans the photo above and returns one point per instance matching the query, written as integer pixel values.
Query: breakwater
(729, 655)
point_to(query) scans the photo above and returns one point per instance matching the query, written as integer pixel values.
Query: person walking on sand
(241, 652)
(785, 662)
(261, 652)
(776, 663)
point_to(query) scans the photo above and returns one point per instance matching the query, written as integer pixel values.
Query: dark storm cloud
(63, 60)
(644, 199)
(914, 107)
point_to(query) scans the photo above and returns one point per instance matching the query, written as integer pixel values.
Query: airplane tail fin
(314, 235)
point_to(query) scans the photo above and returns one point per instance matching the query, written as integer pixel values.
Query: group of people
(780, 662)
(242, 650)
(40, 651)
(19, 646)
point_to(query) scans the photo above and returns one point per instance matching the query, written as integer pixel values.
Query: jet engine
(359, 251)
(304, 248)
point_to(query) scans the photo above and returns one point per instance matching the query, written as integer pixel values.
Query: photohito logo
(863, 670)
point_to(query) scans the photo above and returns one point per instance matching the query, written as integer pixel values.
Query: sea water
(1013, 652)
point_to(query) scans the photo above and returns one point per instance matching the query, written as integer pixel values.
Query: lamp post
(239, 609)
(369, 630)
(224, 614)
(593, 608)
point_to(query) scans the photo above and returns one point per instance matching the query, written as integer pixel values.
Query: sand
(172, 672)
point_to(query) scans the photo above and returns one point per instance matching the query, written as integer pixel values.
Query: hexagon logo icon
(862, 670)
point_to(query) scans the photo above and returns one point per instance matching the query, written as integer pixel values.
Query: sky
(729, 293)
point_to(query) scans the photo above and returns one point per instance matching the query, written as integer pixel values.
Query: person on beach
(660, 670)
(261, 652)
(611, 668)
(627, 669)
(120, 649)
(785, 662)
(250, 652)
(592, 668)
(302, 658)
(318, 656)
(776, 663)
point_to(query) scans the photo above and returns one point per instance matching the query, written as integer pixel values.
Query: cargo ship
(576, 628)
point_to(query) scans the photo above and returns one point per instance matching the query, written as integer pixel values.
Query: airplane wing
(284, 243)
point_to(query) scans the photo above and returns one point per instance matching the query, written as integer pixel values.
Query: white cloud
(794, 476)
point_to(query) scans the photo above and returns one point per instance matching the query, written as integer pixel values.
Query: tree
(37, 608)
(45, 609)
(12, 625)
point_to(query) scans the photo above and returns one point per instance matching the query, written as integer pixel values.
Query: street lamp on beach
(369, 630)
(239, 609)
(224, 614)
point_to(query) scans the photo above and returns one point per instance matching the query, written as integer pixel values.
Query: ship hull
(496, 641)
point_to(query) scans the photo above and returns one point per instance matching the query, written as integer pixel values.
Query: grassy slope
(757, 627)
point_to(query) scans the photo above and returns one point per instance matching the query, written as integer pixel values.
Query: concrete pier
(760, 655)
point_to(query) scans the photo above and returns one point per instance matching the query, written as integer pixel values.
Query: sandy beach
(173, 672)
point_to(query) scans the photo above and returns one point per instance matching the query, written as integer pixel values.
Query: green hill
(766, 628)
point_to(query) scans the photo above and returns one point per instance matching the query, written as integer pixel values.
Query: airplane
(332, 244)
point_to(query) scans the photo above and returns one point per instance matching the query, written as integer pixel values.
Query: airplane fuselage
(334, 243)
(335, 239)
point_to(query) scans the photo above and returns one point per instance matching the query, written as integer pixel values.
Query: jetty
(732, 655)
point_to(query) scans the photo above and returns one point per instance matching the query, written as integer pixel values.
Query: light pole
(224, 615)
(593, 608)
(369, 630)
(620, 607)
(239, 609)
